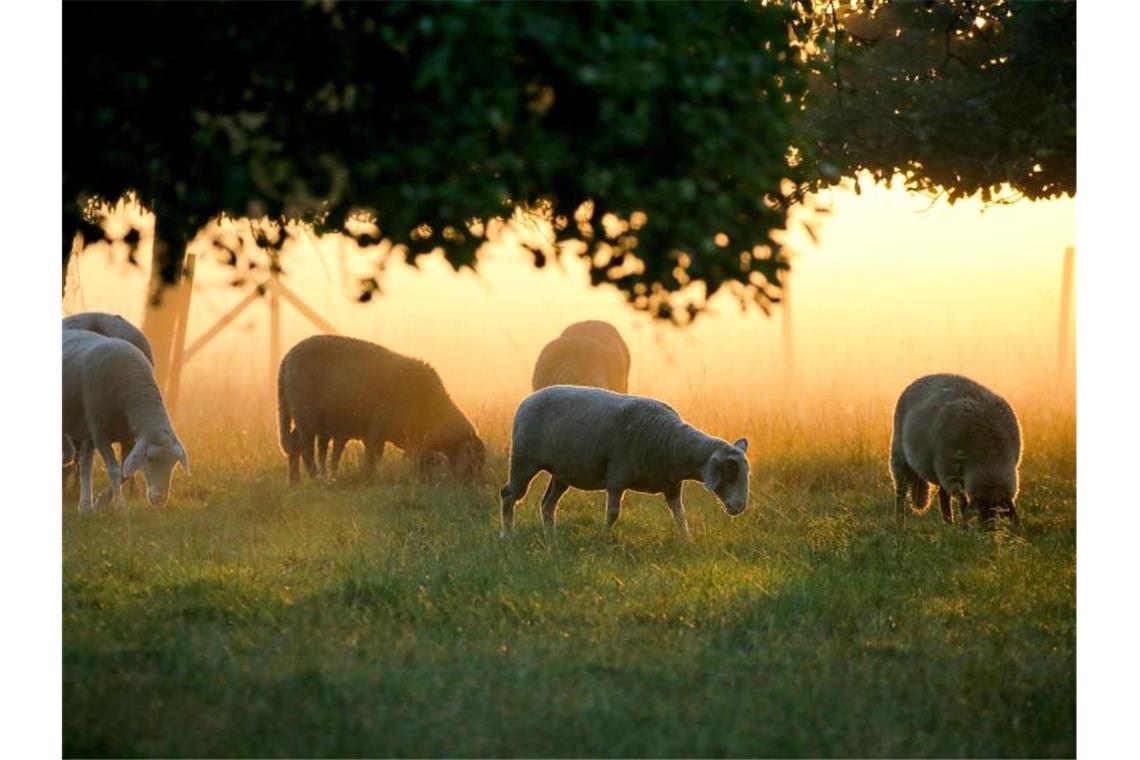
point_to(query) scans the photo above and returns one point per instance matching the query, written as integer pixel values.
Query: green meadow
(389, 618)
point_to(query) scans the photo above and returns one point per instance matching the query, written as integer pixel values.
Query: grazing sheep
(957, 434)
(593, 439)
(335, 388)
(589, 353)
(109, 395)
(112, 326)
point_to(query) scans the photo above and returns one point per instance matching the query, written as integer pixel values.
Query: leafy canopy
(661, 141)
(959, 96)
(674, 118)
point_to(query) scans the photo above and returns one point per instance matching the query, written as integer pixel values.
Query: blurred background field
(891, 287)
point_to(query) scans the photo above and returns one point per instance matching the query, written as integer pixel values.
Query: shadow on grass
(394, 621)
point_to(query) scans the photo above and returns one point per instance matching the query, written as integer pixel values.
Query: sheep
(594, 439)
(589, 353)
(336, 388)
(962, 437)
(109, 395)
(112, 326)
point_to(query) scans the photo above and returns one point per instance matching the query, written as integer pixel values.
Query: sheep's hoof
(506, 533)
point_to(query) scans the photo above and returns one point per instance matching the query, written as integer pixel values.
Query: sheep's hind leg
(308, 444)
(295, 466)
(550, 499)
(613, 507)
(674, 500)
(904, 478)
(84, 457)
(514, 490)
(901, 491)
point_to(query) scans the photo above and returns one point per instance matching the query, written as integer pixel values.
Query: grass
(390, 619)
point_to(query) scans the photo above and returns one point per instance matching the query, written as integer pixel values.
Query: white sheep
(109, 394)
(964, 438)
(594, 439)
(111, 326)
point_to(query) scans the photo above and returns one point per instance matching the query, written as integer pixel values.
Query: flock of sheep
(579, 425)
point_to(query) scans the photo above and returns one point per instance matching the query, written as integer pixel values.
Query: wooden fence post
(786, 324)
(1066, 306)
(274, 333)
(185, 290)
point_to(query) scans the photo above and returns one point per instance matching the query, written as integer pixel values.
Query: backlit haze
(895, 287)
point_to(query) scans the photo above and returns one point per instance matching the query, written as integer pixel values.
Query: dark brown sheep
(962, 437)
(590, 353)
(336, 388)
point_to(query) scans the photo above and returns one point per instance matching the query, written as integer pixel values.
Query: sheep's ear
(711, 473)
(135, 459)
(183, 458)
(742, 444)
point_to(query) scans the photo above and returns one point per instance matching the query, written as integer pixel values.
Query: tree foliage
(675, 119)
(959, 96)
(667, 139)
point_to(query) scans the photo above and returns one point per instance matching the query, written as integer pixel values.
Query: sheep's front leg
(85, 456)
(673, 498)
(944, 503)
(613, 506)
(1014, 519)
(373, 451)
(964, 511)
(114, 472)
(550, 499)
(338, 450)
(323, 454)
(129, 484)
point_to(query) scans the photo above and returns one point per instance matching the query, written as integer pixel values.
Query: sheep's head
(156, 457)
(468, 458)
(990, 503)
(726, 475)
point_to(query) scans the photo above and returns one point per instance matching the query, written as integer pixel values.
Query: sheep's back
(580, 433)
(101, 375)
(586, 357)
(605, 333)
(940, 416)
(111, 326)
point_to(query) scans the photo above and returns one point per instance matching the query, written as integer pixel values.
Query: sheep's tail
(285, 428)
(920, 495)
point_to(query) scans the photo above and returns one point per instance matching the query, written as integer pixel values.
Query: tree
(669, 138)
(959, 96)
(670, 122)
